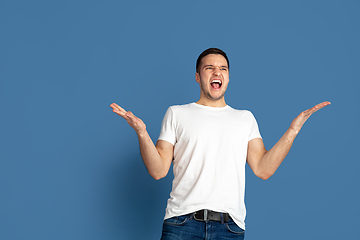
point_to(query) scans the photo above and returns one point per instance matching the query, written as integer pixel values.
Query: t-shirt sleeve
(167, 132)
(254, 128)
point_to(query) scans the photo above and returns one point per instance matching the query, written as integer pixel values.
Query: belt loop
(222, 218)
(205, 214)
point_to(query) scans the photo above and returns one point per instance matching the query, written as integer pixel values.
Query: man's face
(213, 77)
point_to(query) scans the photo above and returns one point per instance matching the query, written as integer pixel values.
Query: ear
(197, 77)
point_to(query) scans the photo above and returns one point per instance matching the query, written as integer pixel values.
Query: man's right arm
(157, 158)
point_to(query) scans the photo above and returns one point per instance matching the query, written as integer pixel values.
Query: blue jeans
(186, 227)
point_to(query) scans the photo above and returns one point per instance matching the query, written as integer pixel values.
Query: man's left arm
(264, 163)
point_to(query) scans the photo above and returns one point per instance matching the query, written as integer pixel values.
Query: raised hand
(299, 121)
(136, 123)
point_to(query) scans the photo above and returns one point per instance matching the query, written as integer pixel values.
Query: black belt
(205, 215)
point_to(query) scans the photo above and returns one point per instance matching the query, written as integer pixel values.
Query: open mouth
(216, 84)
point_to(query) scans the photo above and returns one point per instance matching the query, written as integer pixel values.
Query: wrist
(141, 133)
(293, 131)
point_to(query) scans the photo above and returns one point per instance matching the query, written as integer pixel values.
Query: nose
(217, 71)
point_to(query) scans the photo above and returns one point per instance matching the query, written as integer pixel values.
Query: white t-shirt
(210, 149)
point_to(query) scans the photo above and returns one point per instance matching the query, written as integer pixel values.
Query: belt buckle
(202, 218)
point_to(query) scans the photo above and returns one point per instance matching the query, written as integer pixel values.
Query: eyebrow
(213, 66)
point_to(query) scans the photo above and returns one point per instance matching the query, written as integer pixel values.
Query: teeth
(216, 81)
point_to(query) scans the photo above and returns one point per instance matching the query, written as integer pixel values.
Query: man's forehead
(214, 59)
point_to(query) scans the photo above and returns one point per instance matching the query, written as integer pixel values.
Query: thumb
(130, 115)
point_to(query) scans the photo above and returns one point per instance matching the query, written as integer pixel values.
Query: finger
(307, 113)
(318, 107)
(117, 109)
(130, 116)
(119, 112)
(324, 104)
(115, 106)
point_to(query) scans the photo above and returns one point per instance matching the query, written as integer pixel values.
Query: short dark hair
(210, 51)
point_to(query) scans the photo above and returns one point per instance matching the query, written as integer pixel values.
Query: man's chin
(216, 98)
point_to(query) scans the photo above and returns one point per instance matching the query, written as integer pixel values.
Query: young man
(209, 143)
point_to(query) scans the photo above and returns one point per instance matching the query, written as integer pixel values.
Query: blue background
(70, 168)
